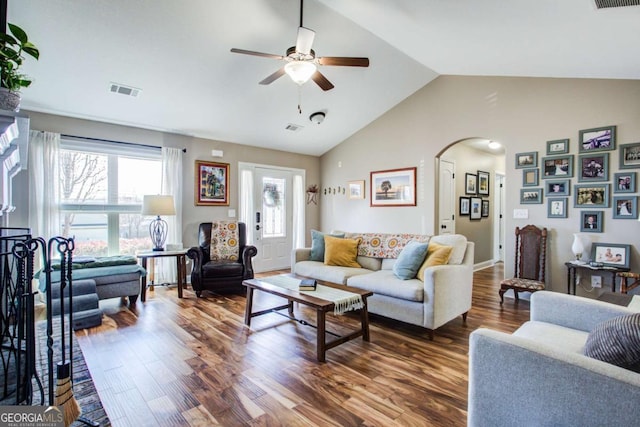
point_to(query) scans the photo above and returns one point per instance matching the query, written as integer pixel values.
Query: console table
(571, 274)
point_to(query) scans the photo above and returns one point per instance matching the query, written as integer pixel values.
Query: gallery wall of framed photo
(475, 203)
(585, 181)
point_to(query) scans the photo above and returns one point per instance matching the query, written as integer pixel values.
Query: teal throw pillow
(410, 260)
(317, 244)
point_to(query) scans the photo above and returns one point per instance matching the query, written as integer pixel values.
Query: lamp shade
(158, 205)
(300, 71)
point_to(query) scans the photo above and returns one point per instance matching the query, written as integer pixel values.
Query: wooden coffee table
(321, 306)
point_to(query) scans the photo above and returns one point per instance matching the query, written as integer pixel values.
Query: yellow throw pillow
(436, 255)
(341, 252)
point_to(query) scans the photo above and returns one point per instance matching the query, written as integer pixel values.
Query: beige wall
(521, 113)
(197, 149)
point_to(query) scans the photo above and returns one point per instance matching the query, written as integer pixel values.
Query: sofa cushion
(457, 241)
(341, 252)
(616, 341)
(373, 264)
(410, 259)
(317, 244)
(385, 282)
(436, 255)
(327, 273)
(555, 336)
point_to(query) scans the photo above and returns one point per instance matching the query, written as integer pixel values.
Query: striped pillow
(616, 341)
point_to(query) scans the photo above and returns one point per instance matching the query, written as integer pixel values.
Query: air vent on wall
(603, 4)
(124, 90)
(293, 128)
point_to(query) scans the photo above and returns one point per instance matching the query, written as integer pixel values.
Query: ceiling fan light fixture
(300, 71)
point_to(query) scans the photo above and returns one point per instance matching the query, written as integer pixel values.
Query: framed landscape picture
(483, 183)
(611, 254)
(356, 189)
(629, 156)
(464, 206)
(591, 195)
(395, 187)
(212, 183)
(593, 167)
(475, 208)
(591, 221)
(530, 196)
(597, 139)
(557, 207)
(625, 207)
(527, 160)
(559, 146)
(530, 177)
(624, 182)
(470, 183)
(485, 208)
(557, 167)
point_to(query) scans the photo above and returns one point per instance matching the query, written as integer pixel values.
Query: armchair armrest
(572, 311)
(560, 388)
(248, 252)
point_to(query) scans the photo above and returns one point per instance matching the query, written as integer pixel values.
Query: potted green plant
(13, 47)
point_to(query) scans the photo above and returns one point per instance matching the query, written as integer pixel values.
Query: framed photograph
(530, 177)
(611, 254)
(470, 182)
(527, 160)
(591, 196)
(625, 207)
(558, 146)
(355, 189)
(395, 187)
(530, 196)
(591, 221)
(475, 208)
(629, 156)
(483, 183)
(557, 207)
(557, 187)
(557, 167)
(212, 183)
(597, 139)
(464, 206)
(624, 182)
(593, 167)
(485, 209)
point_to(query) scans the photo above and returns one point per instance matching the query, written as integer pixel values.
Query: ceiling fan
(302, 62)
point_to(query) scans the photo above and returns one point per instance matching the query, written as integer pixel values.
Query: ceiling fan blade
(344, 61)
(305, 40)
(322, 81)
(273, 77)
(251, 52)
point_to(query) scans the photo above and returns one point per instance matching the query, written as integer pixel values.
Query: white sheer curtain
(298, 212)
(246, 202)
(44, 214)
(172, 183)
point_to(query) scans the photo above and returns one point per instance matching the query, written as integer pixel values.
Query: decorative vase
(577, 247)
(9, 100)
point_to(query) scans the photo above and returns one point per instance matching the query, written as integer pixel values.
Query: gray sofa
(444, 294)
(538, 376)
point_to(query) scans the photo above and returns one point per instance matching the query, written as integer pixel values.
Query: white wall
(522, 114)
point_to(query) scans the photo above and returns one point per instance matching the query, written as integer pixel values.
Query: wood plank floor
(193, 362)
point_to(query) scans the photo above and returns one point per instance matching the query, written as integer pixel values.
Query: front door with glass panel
(273, 219)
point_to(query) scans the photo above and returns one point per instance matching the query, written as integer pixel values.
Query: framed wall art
(557, 167)
(485, 208)
(464, 206)
(597, 139)
(557, 207)
(212, 183)
(527, 160)
(591, 195)
(470, 183)
(625, 207)
(475, 208)
(557, 187)
(483, 183)
(530, 177)
(593, 167)
(558, 146)
(530, 196)
(395, 187)
(356, 189)
(629, 156)
(624, 182)
(591, 221)
(611, 254)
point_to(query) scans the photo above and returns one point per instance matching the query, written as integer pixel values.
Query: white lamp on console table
(158, 205)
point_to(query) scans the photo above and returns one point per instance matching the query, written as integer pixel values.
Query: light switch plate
(520, 213)
(231, 213)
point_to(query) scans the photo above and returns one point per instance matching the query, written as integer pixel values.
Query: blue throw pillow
(410, 260)
(317, 244)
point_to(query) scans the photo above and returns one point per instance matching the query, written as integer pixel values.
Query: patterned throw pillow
(225, 241)
(616, 341)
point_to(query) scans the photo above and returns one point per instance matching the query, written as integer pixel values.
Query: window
(101, 189)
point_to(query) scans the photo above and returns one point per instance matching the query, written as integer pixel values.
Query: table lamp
(158, 205)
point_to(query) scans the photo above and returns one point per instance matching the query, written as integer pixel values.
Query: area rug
(83, 388)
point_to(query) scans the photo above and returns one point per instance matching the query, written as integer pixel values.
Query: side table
(181, 265)
(571, 274)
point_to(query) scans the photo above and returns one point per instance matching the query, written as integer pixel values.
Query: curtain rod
(184, 150)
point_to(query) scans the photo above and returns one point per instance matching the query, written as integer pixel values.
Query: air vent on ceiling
(124, 90)
(603, 4)
(293, 128)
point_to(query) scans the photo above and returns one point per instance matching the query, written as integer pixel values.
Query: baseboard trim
(483, 265)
